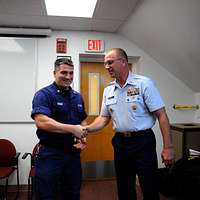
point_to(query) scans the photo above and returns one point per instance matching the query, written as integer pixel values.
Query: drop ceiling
(108, 16)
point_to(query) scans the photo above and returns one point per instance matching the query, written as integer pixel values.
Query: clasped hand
(80, 131)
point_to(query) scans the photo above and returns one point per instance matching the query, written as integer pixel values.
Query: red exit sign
(95, 46)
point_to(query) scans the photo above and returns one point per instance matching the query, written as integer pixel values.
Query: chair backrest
(7, 152)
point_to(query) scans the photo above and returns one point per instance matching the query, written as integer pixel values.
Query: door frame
(96, 57)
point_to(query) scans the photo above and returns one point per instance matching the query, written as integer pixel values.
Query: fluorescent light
(72, 8)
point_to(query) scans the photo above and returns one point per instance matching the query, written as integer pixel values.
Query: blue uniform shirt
(64, 106)
(132, 105)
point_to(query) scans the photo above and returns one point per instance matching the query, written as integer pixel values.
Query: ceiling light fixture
(71, 8)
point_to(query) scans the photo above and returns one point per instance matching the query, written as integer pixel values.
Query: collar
(129, 80)
(62, 90)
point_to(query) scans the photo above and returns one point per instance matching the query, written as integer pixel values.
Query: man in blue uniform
(133, 102)
(58, 111)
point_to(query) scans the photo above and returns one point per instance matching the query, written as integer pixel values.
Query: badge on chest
(133, 91)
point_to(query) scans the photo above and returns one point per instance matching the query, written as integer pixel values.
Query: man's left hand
(80, 143)
(168, 156)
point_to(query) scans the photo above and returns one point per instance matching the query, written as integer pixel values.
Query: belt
(128, 134)
(62, 147)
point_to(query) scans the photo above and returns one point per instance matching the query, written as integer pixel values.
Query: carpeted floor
(94, 190)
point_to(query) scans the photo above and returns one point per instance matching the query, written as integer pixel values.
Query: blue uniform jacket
(63, 106)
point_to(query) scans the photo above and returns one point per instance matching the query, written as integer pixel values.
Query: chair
(8, 164)
(32, 170)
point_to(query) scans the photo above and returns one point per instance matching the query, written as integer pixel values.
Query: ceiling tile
(105, 25)
(113, 9)
(23, 21)
(69, 23)
(23, 7)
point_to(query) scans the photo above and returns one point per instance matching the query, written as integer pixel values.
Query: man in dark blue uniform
(58, 111)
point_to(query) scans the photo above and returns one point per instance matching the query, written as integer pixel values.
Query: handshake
(80, 131)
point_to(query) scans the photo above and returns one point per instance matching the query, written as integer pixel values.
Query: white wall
(197, 114)
(172, 90)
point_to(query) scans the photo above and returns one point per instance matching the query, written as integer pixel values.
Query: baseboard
(13, 188)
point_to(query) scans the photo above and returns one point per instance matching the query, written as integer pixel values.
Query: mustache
(66, 79)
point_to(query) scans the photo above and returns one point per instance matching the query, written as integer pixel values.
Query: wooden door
(99, 145)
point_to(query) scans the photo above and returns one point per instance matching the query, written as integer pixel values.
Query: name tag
(60, 103)
(111, 101)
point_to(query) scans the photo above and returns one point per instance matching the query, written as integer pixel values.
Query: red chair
(8, 164)
(32, 170)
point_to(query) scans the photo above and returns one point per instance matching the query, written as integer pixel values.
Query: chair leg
(17, 185)
(29, 182)
(32, 188)
(6, 189)
(2, 192)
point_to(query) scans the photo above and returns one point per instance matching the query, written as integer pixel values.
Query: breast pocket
(135, 105)
(59, 108)
(60, 112)
(111, 105)
(77, 108)
(76, 112)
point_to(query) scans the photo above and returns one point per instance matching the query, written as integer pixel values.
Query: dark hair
(61, 61)
(121, 52)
